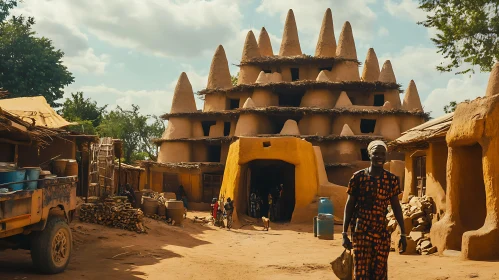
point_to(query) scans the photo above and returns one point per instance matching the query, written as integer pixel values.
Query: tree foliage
(5, 7)
(78, 108)
(234, 79)
(30, 66)
(135, 131)
(468, 32)
(451, 107)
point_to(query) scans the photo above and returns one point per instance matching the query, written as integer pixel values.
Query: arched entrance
(263, 178)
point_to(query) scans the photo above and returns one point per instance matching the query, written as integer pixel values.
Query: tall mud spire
(493, 85)
(250, 49)
(386, 75)
(290, 44)
(326, 46)
(411, 98)
(183, 96)
(346, 131)
(264, 43)
(219, 76)
(346, 43)
(371, 72)
(290, 128)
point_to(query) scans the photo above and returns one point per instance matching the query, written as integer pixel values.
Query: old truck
(38, 220)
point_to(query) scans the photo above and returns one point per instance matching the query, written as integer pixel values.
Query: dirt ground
(199, 251)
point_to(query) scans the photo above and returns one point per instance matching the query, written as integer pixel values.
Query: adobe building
(426, 155)
(286, 111)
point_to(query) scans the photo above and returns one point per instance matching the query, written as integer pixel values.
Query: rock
(392, 225)
(407, 224)
(422, 221)
(416, 235)
(430, 251)
(417, 214)
(425, 244)
(419, 228)
(415, 202)
(411, 247)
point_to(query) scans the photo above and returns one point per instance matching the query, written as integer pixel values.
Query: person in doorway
(253, 202)
(259, 203)
(369, 192)
(271, 208)
(182, 195)
(130, 194)
(229, 210)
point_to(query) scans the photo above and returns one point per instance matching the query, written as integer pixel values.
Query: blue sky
(133, 51)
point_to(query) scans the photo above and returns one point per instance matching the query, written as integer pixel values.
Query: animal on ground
(266, 223)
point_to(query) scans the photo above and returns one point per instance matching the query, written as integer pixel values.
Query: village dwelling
(55, 143)
(426, 155)
(289, 115)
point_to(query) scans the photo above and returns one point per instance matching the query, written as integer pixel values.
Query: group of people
(273, 201)
(218, 214)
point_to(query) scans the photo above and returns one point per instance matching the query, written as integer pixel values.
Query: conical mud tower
(290, 44)
(326, 46)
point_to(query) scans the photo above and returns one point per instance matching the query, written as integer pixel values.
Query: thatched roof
(295, 111)
(310, 138)
(128, 167)
(303, 59)
(301, 86)
(419, 136)
(14, 130)
(184, 165)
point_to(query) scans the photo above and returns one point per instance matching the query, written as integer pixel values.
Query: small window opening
(326, 68)
(367, 126)
(290, 100)
(379, 99)
(364, 154)
(295, 74)
(226, 128)
(206, 127)
(234, 104)
(267, 71)
(266, 144)
(214, 153)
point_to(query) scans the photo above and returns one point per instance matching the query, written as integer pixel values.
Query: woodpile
(418, 216)
(114, 212)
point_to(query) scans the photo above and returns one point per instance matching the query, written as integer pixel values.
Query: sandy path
(205, 252)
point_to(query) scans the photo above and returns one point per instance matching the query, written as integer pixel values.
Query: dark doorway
(211, 186)
(268, 71)
(170, 182)
(295, 74)
(226, 128)
(214, 153)
(290, 100)
(420, 173)
(265, 178)
(367, 126)
(206, 127)
(326, 68)
(379, 99)
(233, 104)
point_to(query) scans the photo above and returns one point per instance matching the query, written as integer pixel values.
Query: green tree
(468, 32)
(79, 108)
(30, 66)
(136, 131)
(234, 79)
(5, 7)
(451, 107)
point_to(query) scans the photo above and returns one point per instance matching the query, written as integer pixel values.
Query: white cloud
(79, 56)
(309, 14)
(158, 27)
(405, 9)
(383, 31)
(457, 89)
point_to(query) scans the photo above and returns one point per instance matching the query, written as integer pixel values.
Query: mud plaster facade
(336, 142)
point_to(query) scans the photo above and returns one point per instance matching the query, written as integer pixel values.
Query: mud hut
(320, 103)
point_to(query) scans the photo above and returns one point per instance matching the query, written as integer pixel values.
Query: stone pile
(113, 212)
(418, 217)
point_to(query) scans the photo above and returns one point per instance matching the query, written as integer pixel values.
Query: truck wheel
(51, 248)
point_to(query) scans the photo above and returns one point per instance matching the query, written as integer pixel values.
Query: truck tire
(51, 248)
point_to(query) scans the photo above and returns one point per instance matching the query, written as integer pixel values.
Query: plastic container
(32, 173)
(325, 206)
(10, 176)
(325, 226)
(175, 211)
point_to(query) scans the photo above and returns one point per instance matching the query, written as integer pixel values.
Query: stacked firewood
(113, 212)
(418, 216)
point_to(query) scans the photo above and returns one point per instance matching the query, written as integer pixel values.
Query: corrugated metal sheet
(435, 128)
(34, 109)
